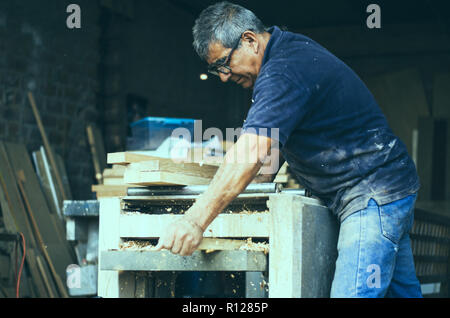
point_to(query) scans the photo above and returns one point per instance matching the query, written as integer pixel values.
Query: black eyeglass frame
(215, 68)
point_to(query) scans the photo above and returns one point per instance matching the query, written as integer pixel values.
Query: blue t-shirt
(332, 133)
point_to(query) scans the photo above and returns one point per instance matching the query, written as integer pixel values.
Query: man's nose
(224, 77)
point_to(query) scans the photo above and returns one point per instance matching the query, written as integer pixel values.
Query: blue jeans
(374, 252)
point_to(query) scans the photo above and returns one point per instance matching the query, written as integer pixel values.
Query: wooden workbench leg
(108, 281)
(285, 246)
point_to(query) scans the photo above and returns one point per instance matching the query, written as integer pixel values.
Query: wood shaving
(137, 246)
(251, 246)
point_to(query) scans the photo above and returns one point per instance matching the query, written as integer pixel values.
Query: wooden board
(95, 140)
(135, 225)
(47, 183)
(57, 246)
(12, 202)
(125, 158)
(64, 176)
(117, 171)
(167, 172)
(47, 146)
(110, 190)
(166, 261)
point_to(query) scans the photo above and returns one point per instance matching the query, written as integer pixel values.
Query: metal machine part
(258, 189)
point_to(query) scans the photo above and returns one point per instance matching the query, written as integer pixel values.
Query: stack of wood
(32, 209)
(147, 170)
(133, 169)
(113, 183)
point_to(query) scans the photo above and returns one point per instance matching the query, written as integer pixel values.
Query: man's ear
(252, 40)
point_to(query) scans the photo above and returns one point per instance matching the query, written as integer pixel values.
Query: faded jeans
(374, 252)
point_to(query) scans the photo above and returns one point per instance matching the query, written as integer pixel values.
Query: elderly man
(334, 137)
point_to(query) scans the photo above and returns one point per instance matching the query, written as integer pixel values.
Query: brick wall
(39, 53)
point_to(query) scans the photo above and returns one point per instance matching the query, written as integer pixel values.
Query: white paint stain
(379, 147)
(392, 143)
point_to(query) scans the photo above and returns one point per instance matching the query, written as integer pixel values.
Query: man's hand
(181, 237)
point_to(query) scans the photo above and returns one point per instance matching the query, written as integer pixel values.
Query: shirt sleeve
(279, 104)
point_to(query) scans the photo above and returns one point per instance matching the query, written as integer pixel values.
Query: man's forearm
(230, 180)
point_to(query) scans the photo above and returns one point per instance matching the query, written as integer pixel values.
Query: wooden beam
(56, 277)
(98, 151)
(167, 172)
(125, 158)
(199, 261)
(108, 281)
(150, 178)
(135, 225)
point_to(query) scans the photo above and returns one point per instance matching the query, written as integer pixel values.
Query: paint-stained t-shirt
(331, 132)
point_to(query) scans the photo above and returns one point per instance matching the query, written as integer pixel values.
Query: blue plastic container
(149, 133)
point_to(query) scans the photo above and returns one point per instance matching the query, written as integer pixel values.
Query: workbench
(301, 234)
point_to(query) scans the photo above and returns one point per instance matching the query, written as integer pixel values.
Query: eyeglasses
(222, 65)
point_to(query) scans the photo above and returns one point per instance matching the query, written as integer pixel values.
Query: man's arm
(241, 164)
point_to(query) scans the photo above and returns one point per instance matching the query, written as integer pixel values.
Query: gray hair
(223, 22)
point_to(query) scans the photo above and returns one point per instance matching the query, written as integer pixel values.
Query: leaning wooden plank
(37, 231)
(47, 145)
(46, 224)
(17, 211)
(45, 277)
(97, 149)
(137, 225)
(35, 273)
(199, 261)
(64, 176)
(208, 244)
(46, 181)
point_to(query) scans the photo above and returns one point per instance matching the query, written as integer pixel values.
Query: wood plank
(37, 231)
(38, 281)
(95, 140)
(125, 158)
(199, 261)
(113, 181)
(110, 190)
(191, 169)
(47, 183)
(117, 171)
(108, 281)
(46, 224)
(136, 225)
(148, 178)
(47, 145)
(285, 271)
(303, 240)
(65, 178)
(45, 277)
(12, 202)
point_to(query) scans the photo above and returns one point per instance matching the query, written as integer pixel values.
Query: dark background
(134, 58)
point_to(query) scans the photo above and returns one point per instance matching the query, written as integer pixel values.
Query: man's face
(244, 62)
